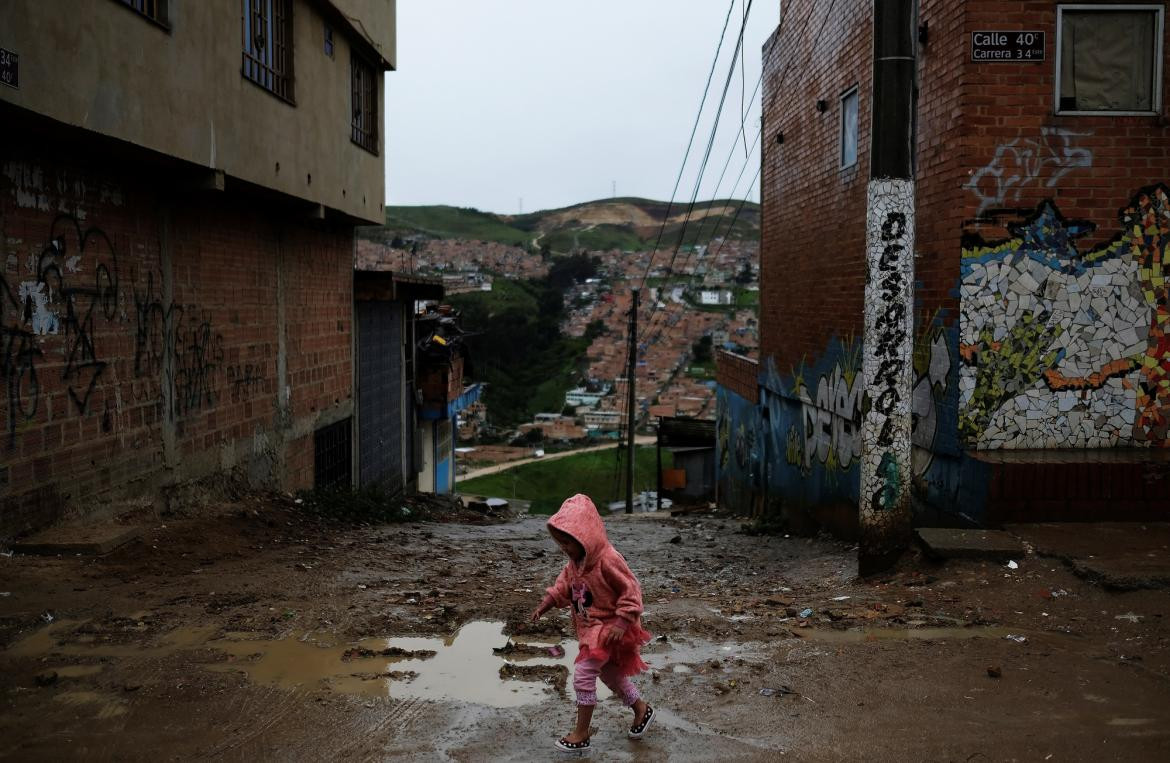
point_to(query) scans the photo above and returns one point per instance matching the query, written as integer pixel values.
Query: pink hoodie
(601, 590)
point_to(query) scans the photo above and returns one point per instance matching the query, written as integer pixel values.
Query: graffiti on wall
(887, 356)
(1064, 348)
(830, 414)
(58, 300)
(1025, 162)
(57, 323)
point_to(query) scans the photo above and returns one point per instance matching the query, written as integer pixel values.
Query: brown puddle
(468, 666)
(463, 667)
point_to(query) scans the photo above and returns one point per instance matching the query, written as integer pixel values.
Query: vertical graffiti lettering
(887, 351)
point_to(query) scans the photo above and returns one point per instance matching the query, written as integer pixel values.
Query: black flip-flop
(637, 731)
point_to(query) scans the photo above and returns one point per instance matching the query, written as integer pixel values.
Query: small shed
(690, 478)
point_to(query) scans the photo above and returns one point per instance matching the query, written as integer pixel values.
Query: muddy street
(259, 633)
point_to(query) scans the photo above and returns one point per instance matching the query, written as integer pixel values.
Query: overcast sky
(552, 101)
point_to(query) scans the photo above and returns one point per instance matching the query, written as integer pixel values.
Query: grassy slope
(456, 222)
(548, 483)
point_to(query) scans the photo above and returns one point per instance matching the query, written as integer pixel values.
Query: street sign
(1007, 47)
(9, 68)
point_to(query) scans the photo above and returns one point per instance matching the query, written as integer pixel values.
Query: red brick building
(1042, 151)
(176, 215)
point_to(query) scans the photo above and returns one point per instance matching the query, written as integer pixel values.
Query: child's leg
(623, 688)
(620, 685)
(585, 685)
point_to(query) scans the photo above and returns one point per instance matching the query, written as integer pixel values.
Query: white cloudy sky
(552, 101)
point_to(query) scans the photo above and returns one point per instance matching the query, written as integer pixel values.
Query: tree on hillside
(701, 350)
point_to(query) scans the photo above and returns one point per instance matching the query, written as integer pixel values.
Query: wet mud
(256, 634)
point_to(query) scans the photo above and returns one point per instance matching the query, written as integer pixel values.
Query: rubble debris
(994, 671)
(45, 678)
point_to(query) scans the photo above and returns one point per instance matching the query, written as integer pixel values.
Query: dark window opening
(329, 41)
(364, 91)
(268, 45)
(155, 10)
(1110, 59)
(332, 456)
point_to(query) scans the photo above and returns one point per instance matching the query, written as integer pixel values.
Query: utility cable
(690, 142)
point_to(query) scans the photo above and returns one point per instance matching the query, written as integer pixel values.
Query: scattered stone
(46, 678)
(676, 539)
(995, 671)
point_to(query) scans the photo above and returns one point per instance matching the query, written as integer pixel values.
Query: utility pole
(631, 401)
(885, 506)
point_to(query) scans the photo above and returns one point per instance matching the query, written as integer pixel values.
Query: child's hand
(613, 634)
(537, 614)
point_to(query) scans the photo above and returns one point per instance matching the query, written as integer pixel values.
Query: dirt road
(260, 635)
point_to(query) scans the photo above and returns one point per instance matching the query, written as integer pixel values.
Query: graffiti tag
(1023, 162)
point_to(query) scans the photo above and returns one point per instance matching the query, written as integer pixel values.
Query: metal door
(380, 405)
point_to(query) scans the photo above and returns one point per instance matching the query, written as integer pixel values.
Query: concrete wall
(1039, 323)
(150, 337)
(180, 92)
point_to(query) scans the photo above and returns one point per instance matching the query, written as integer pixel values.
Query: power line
(690, 142)
(707, 153)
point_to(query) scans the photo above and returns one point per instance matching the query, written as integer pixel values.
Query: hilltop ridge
(620, 223)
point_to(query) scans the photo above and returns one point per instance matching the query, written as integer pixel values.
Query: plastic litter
(556, 651)
(841, 598)
(1017, 639)
(1011, 565)
(807, 612)
(1130, 617)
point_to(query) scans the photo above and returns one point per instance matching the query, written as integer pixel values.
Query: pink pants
(585, 677)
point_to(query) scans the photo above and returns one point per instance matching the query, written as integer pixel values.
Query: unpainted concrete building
(180, 186)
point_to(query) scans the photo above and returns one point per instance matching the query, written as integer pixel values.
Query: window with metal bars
(364, 126)
(155, 10)
(268, 45)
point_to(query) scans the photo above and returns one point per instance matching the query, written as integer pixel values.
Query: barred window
(364, 125)
(268, 45)
(155, 10)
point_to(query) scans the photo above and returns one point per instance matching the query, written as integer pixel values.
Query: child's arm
(556, 595)
(625, 584)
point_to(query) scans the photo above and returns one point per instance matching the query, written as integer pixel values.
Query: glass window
(1109, 58)
(364, 99)
(849, 128)
(329, 41)
(268, 45)
(155, 10)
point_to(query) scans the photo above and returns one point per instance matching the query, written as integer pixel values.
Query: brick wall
(1001, 181)
(739, 374)
(151, 336)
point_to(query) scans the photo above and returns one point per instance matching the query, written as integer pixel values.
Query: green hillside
(548, 483)
(622, 223)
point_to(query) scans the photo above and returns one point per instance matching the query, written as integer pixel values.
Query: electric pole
(631, 401)
(885, 507)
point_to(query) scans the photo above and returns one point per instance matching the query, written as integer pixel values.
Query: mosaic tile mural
(1064, 348)
(887, 354)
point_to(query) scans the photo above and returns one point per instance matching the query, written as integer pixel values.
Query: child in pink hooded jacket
(606, 602)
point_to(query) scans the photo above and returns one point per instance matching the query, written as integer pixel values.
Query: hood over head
(578, 517)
